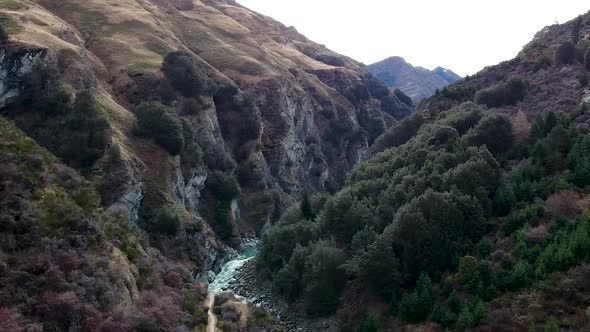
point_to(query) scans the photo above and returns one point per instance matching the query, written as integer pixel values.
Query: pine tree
(369, 323)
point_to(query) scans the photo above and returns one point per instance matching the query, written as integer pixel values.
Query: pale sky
(462, 35)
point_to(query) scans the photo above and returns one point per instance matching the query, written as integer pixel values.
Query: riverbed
(229, 271)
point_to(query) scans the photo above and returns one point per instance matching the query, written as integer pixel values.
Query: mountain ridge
(415, 81)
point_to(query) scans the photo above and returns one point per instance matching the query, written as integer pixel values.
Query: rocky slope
(416, 82)
(196, 121)
(280, 114)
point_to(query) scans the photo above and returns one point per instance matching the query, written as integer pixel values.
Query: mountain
(472, 213)
(143, 140)
(416, 82)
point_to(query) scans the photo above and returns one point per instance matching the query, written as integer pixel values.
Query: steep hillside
(197, 106)
(416, 82)
(185, 126)
(472, 214)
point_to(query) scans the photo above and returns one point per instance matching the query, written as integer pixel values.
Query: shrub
(324, 278)
(168, 221)
(565, 53)
(415, 307)
(225, 226)
(433, 229)
(184, 74)
(464, 117)
(458, 92)
(89, 133)
(369, 323)
(587, 59)
(503, 94)
(579, 159)
(157, 120)
(563, 204)
(377, 267)
(223, 185)
(469, 271)
(400, 133)
(495, 132)
(504, 199)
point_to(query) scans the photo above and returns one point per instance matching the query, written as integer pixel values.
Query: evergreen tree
(369, 323)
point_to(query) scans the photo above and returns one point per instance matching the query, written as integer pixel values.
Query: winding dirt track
(212, 319)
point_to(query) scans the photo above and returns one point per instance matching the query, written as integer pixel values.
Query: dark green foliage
(44, 91)
(494, 131)
(587, 59)
(400, 133)
(458, 92)
(324, 278)
(192, 156)
(569, 244)
(403, 97)
(344, 216)
(515, 220)
(289, 279)
(168, 221)
(369, 323)
(443, 316)
(504, 199)
(551, 325)
(503, 94)
(416, 306)
(223, 186)
(89, 132)
(433, 230)
(280, 242)
(468, 274)
(464, 117)
(486, 247)
(76, 132)
(224, 226)
(579, 159)
(158, 121)
(565, 53)
(184, 74)
(377, 267)
(306, 208)
(551, 152)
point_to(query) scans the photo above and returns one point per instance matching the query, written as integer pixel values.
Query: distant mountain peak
(417, 82)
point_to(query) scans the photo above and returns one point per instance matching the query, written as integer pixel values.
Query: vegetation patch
(11, 5)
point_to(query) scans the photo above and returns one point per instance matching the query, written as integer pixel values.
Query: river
(229, 270)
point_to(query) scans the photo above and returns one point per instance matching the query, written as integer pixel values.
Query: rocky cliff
(263, 110)
(416, 82)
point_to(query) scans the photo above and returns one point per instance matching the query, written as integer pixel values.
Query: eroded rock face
(283, 114)
(14, 65)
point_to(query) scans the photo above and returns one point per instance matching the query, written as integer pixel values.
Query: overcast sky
(463, 35)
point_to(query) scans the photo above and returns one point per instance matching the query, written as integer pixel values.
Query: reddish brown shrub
(9, 321)
(563, 204)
